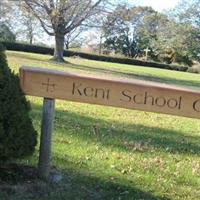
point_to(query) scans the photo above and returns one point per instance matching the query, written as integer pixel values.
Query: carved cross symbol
(49, 87)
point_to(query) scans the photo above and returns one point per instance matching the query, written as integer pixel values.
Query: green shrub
(183, 58)
(194, 70)
(17, 135)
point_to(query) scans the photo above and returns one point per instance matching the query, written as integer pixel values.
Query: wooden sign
(139, 95)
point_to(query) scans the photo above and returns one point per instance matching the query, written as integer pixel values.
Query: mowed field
(109, 153)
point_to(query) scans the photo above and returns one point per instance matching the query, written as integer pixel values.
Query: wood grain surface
(136, 94)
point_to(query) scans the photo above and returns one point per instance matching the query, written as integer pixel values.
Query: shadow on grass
(74, 186)
(124, 137)
(146, 77)
(94, 188)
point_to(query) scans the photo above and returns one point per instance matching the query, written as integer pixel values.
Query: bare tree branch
(60, 17)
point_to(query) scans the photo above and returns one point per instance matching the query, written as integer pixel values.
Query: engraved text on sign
(140, 95)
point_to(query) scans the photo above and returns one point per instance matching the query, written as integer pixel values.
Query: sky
(158, 5)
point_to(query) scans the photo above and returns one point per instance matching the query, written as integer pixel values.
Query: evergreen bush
(17, 135)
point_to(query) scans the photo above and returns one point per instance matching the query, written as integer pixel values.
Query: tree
(148, 30)
(11, 18)
(187, 13)
(154, 33)
(17, 135)
(6, 35)
(73, 39)
(4, 8)
(60, 17)
(170, 39)
(179, 39)
(17, 16)
(29, 22)
(121, 29)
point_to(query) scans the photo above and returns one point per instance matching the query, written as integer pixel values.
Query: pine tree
(17, 135)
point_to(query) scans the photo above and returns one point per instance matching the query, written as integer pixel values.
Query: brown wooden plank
(139, 95)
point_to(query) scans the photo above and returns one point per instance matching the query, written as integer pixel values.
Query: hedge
(67, 53)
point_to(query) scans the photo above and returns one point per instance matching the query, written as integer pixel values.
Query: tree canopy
(60, 17)
(130, 30)
(6, 34)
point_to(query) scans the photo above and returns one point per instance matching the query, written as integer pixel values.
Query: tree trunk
(67, 45)
(100, 45)
(59, 48)
(31, 40)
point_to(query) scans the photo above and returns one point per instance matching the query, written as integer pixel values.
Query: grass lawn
(109, 153)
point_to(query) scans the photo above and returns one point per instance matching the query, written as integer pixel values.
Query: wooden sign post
(133, 94)
(46, 134)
